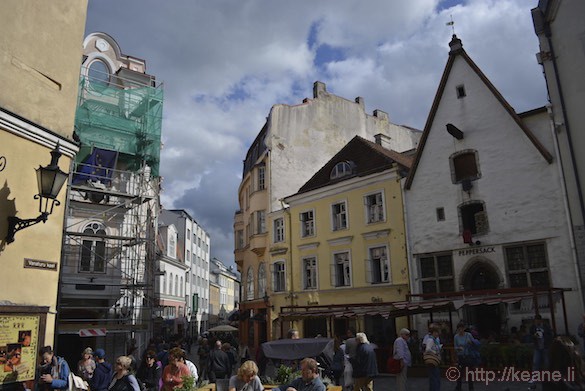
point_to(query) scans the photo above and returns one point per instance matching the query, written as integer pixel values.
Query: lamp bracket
(15, 224)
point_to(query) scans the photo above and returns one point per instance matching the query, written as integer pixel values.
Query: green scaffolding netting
(124, 117)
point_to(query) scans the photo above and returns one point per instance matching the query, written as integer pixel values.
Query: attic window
(460, 91)
(341, 169)
(464, 165)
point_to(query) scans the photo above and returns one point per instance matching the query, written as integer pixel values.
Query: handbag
(393, 366)
(76, 383)
(431, 359)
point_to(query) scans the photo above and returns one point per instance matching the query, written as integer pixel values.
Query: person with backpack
(103, 372)
(53, 374)
(149, 372)
(123, 380)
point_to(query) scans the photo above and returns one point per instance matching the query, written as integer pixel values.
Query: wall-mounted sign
(19, 336)
(36, 264)
(476, 251)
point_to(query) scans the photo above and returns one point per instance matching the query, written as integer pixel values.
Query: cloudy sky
(224, 63)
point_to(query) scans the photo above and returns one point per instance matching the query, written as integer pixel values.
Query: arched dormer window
(342, 169)
(93, 249)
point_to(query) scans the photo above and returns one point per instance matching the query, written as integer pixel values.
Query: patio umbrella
(223, 327)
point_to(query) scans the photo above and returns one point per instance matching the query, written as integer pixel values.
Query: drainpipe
(565, 203)
(409, 259)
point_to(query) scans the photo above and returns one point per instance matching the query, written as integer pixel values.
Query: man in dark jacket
(365, 367)
(542, 336)
(220, 366)
(102, 376)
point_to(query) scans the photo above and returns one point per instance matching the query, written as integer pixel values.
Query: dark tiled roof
(368, 158)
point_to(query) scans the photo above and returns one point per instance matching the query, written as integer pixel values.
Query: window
(307, 223)
(436, 273)
(261, 279)
(340, 170)
(378, 266)
(374, 208)
(250, 284)
(93, 250)
(440, 214)
(339, 216)
(172, 251)
(188, 234)
(239, 239)
(527, 266)
(261, 177)
(473, 218)
(164, 290)
(279, 230)
(464, 166)
(188, 257)
(98, 75)
(278, 276)
(310, 275)
(340, 270)
(260, 222)
(176, 292)
(181, 285)
(460, 91)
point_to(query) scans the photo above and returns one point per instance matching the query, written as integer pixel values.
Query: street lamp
(50, 180)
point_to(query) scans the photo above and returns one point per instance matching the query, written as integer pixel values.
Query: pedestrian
(203, 353)
(173, 373)
(86, 366)
(464, 344)
(149, 372)
(433, 346)
(542, 337)
(309, 379)
(190, 365)
(232, 354)
(219, 364)
(364, 364)
(103, 372)
(53, 373)
(338, 364)
(246, 378)
(292, 334)
(401, 353)
(123, 379)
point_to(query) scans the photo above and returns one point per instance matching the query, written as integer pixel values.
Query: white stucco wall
(521, 190)
(302, 138)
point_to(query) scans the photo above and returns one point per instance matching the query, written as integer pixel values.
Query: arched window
(176, 285)
(250, 284)
(261, 279)
(93, 250)
(98, 74)
(170, 286)
(181, 285)
(164, 289)
(341, 169)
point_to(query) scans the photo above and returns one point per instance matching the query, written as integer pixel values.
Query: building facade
(227, 283)
(485, 212)
(37, 115)
(562, 56)
(194, 246)
(346, 239)
(107, 295)
(294, 141)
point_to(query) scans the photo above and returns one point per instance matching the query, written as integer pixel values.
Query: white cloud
(225, 63)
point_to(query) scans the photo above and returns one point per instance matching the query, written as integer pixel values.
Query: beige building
(39, 74)
(292, 145)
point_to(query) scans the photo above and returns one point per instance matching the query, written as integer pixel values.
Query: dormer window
(341, 169)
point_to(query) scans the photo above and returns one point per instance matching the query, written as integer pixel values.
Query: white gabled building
(485, 210)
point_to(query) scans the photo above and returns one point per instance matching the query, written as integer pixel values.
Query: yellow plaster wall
(24, 286)
(40, 59)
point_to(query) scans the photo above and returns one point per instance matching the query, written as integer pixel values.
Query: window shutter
(332, 275)
(481, 222)
(369, 279)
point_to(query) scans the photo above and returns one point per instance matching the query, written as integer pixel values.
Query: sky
(225, 63)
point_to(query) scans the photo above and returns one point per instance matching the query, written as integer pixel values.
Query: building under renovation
(107, 297)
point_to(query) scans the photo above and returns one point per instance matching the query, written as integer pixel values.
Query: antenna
(452, 24)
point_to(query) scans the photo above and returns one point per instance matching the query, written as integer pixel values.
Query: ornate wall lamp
(266, 299)
(50, 180)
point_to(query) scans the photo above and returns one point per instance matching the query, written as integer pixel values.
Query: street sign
(92, 332)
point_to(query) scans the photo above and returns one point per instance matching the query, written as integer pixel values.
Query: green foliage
(285, 375)
(188, 384)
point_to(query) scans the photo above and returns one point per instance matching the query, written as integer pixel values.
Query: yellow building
(346, 259)
(40, 56)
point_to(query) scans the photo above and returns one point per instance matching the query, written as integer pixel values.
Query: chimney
(360, 101)
(381, 114)
(319, 89)
(383, 140)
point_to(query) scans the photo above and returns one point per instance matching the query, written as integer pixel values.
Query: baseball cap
(99, 353)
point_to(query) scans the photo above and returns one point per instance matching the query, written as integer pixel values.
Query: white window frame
(381, 266)
(261, 177)
(260, 223)
(278, 225)
(250, 284)
(278, 275)
(341, 170)
(346, 280)
(310, 272)
(372, 211)
(308, 230)
(339, 219)
(89, 246)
